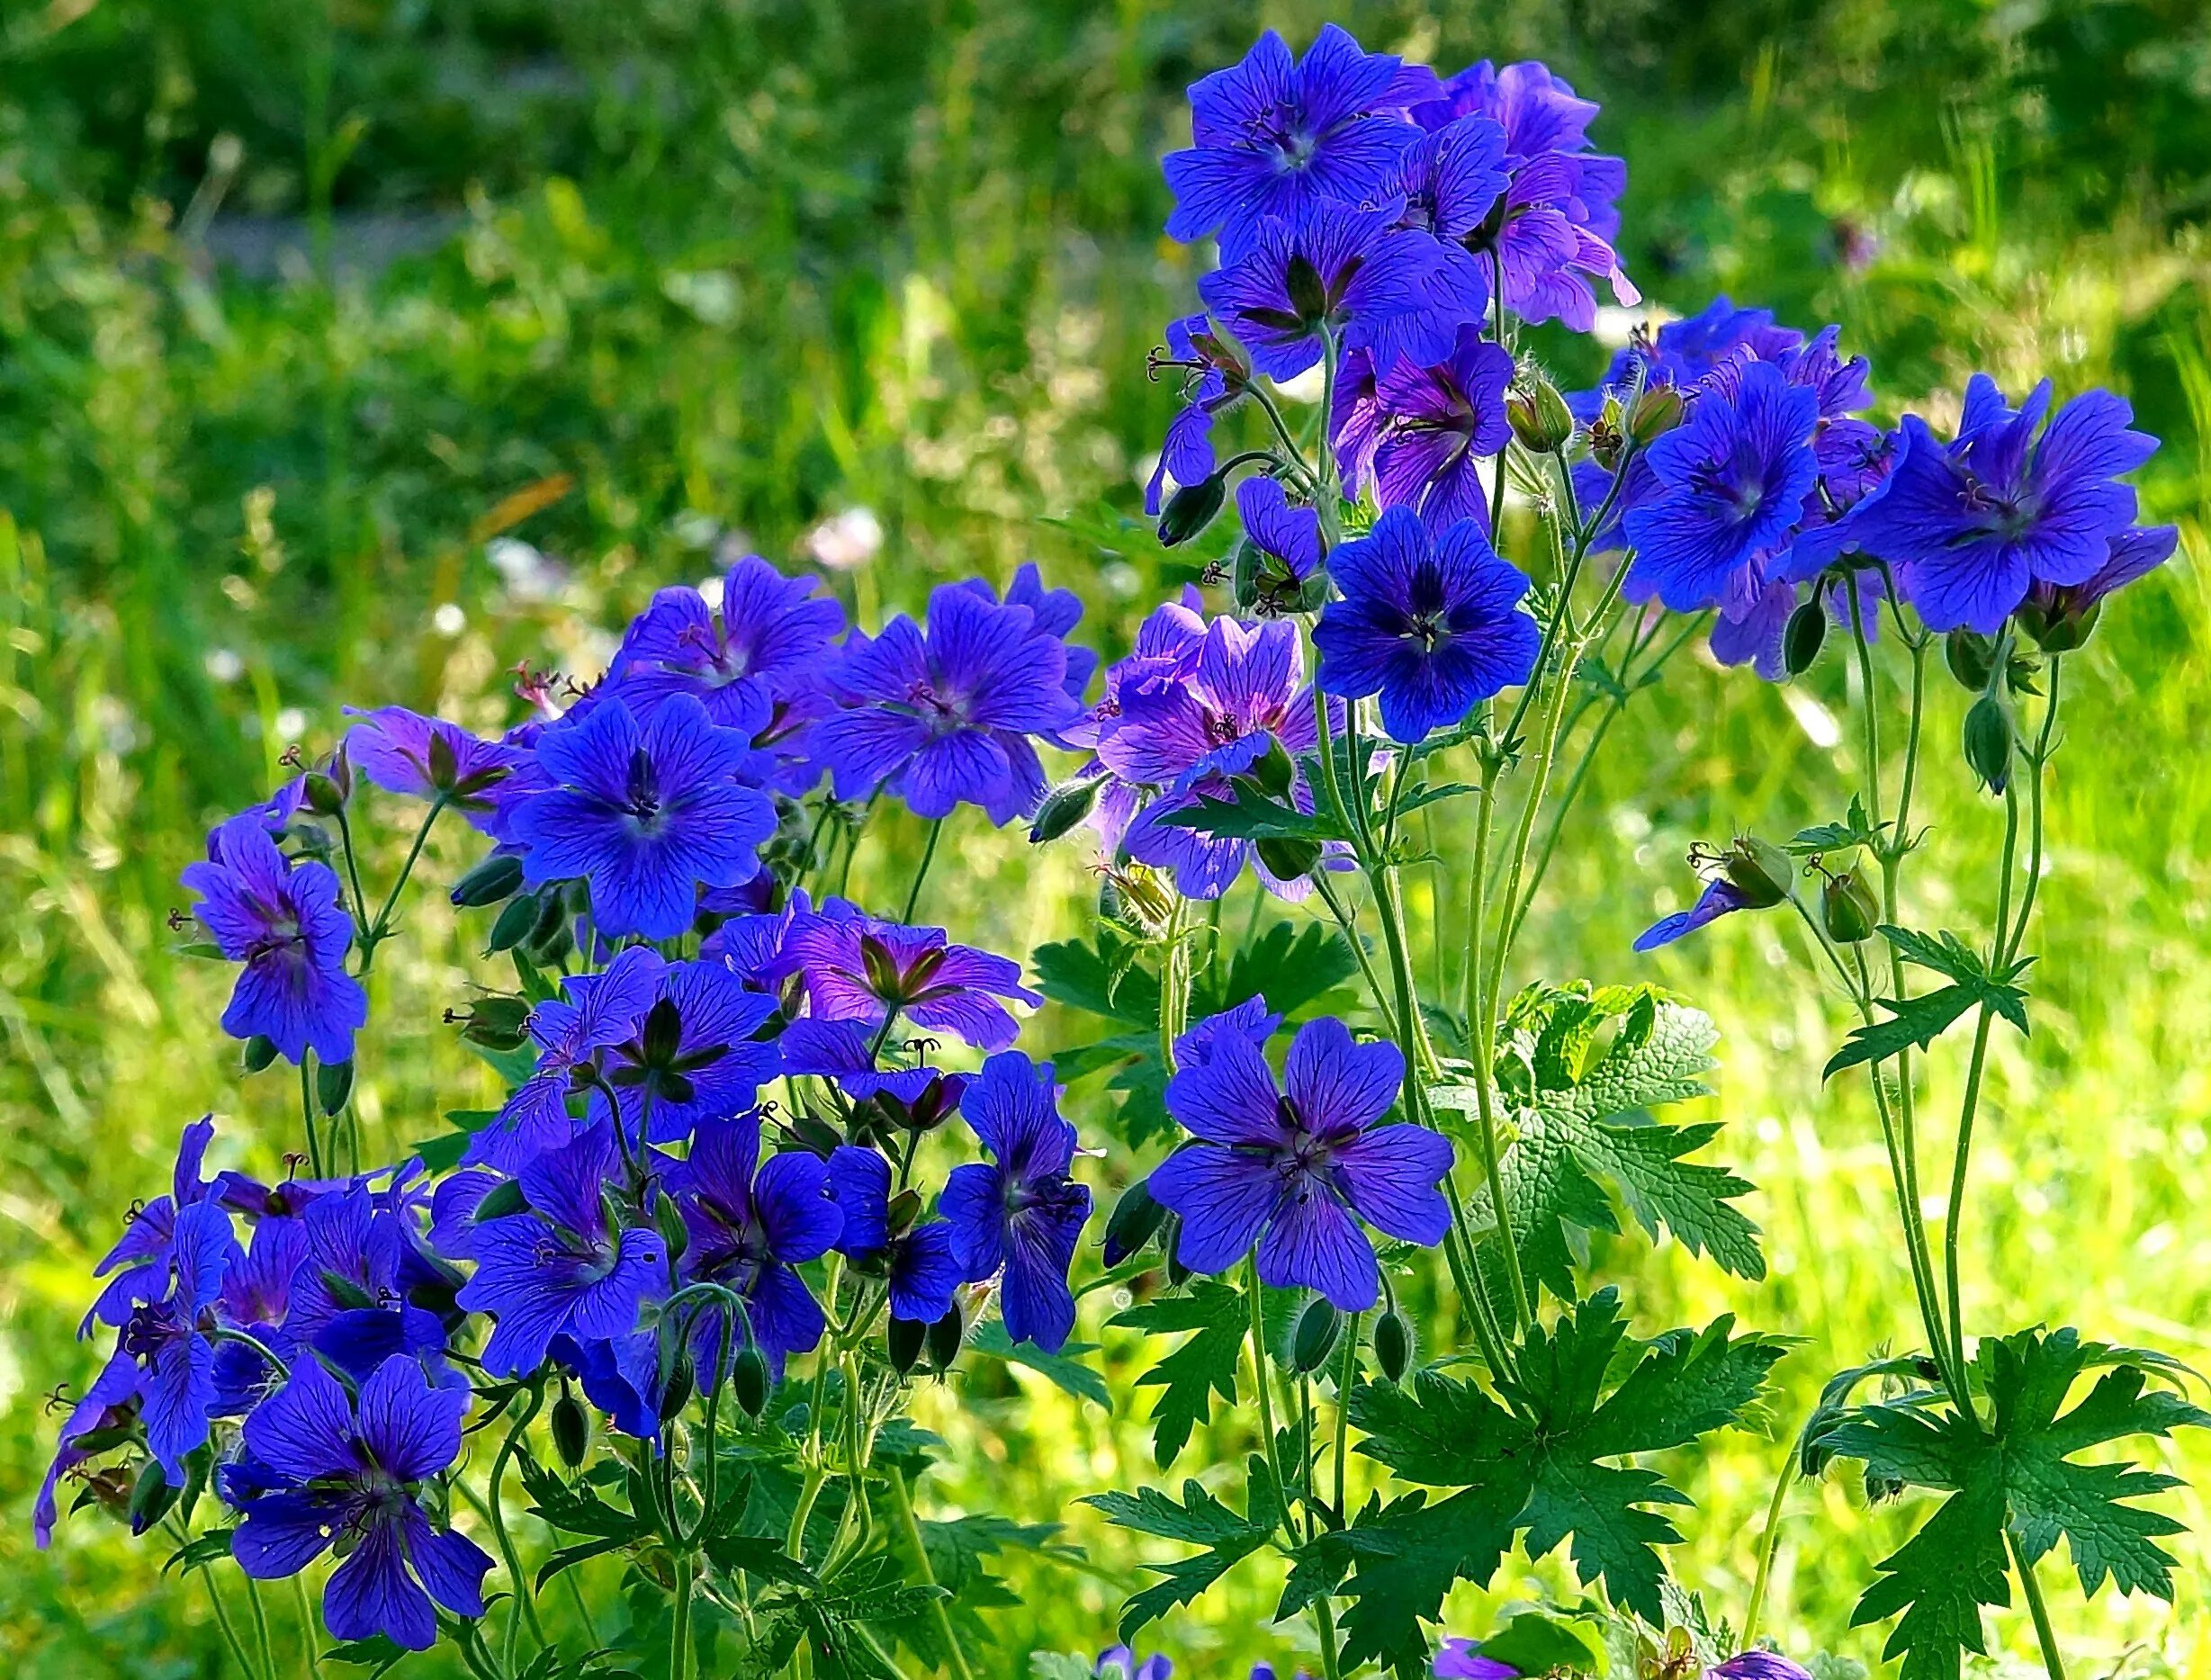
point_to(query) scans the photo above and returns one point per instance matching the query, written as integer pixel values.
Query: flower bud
(1063, 807)
(904, 1338)
(515, 923)
(1137, 1218)
(498, 1022)
(1848, 909)
(2055, 626)
(1655, 411)
(1273, 771)
(668, 1220)
(1190, 509)
(321, 795)
(1393, 1344)
(150, 1496)
(1539, 416)
(497, 877)
(1801, 640)
(334, 1085)
(678, 1374)
(1760, 872)
(1605, 436)
(1988, 742)
(748, 1380)
(1969, 656)
(260, 1052)
(1319, 1327)
(571, 1430)
(945, 1337)
(1287, 860)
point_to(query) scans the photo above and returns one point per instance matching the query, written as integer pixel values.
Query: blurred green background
(355, 350)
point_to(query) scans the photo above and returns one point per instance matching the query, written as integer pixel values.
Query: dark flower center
(1222, 730)
(641, 798)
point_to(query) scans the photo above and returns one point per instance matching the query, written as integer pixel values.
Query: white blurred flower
(1306, 387)
(224, 666)
(290, 724)
(694, 529)
(528, 572)
(846, 541)
(448, 620)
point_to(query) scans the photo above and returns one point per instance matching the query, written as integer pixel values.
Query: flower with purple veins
(1430, 624)
(1728, 486)
(1449, 180)
(1355, 419)
(166, 1338)
(1056, 613)
(2135, 553)
(1020, 1215)
(919, 1264)
(149, 1232)
(594, 1012)
(1286, 544)
(285, 923)
(1294, 1169)
(1758, 1665)
(645, 811)
(1335, 271)
(752, 1224)
(759, 646)
(1275, 137)
(1972, 526)
(846, 1051)
(105, 1405)
(406, 753)
(943, 716)
(858, 969)
(696, 1054)
(1437, 423)
(561, 1266)
(621, 1376)
(1215, 378)
(332, 1471)
(348, 1298)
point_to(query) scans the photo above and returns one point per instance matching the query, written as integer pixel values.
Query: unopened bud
(333, 1085)
(945, 1337)
(1393, 1344)
(1655, 411)
(1062, 808)
(1539, 416)
(905, 1339)
(1319, 1327)
(1759, 872)
(1287, 860)
(150, 1496)
(748, 1380)
(497, 877)
(515, 923)
(571, 1430)
(1800, 640)
(1137, 1218)
(1190, 509)
(1848, 909)
(1969, 656)
(1988, 742)
(260, 1052)
(321, 794)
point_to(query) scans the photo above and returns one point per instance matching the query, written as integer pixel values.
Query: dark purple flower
(284, 922)
(752, 1224)
(858, 969)
(1430, 624)
(1336, 270)
(1287, 539)
(1462, 1659)
(1437, 422)
(595, 1013)
(1276, 137)
(1056, 613)
(1728, 486)
(561, 1266)
(338, 1473)
(1290, 1169)
(1355, 419)
(943, 717)
(1969, 526)
(696, 1056)
(646, 812)
(920, 1265)
(1020, 1215)
(621, 1376)
(2135, 553)
(845, 1051)
(762, 644)
(348, 1297)
(427, 757)
(1214, 377)
(1449, 180)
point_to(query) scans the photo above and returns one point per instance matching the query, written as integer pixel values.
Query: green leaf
(379, 1654)
(1535, 1643)
(1914, 1023)
(1288, 966)
(1201, 1367)
(1407, 1555)
(1064, 1369)
(1100, 979)
(443, 1153)
(1201, 1520)
(2016, 1476)
(201, 1550)
(515, 1066)
(1251, 816)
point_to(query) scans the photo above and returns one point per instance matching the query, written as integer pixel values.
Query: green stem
(353, 871)
(525, 1604)
(310, 1660)
(1346, 1374)
(901, 1504)
(230, 1633)
(2034, 821)
(1768, 1543)
(307, 1116)
(381, 929)
(1266, 1397)
(261, 1625)
(2053, 1659)
(1173, 987)
(1375, 989)
(1481, 1032)
(921, 873)
(680, 1623)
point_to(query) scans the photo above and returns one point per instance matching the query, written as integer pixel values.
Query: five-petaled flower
(760, 647)
(752, 1223)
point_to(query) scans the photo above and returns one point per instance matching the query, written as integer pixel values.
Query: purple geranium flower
(1117, 1662)
(1286, 540)
(1449, 180)
(106, 1404)
(332, 1471)
(1215, 376)
(348, 1298)
(427, 757)
(1289, 1169)
(167, 1341)
(1020, 1215)
(2135, 553)
(762, 644)
(751, 1223)
(561, 1266)
(1430, 623)
(1758, 1665)
(1728, 486)
(846, 1051)
(1437, 422)
(1462, 1659)
(1972, 526)
(645, 811)
(1275, 137)
(920, 1265)
(285, 923)
(594, 1012)
(1056, 613)
(943, 717)
(1746, 875)
(1337, 270)
(696, 1054)
(858, 969)
(149, 1232)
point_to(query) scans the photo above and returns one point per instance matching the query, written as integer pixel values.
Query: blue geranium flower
(919, 1265)
(1436, 423)
(427, 757)
(760, 647)
(593, 1013)
(166, 1340)
(1214, 377)
(751, 1225)
(696, 1054)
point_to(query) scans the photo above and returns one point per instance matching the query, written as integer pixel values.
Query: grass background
(306, 308)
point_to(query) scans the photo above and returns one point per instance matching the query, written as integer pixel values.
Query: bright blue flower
(695, 1054)
(594, 1012)
(1275, 137)
(167, 1341)
(285, 923)
(1728, 486)
(561, 1266)
(920, 1265)
(751, 1225)
(1969, 526)
(1430, 623)
(149, 1232)
(1294, 1169)
(758, 649)
(1287, 536)
(645, 811)
(1019, 1217)
(845, 1051)
(2135, 553)
(107, 1405)
(347, 1299)
(1056, 613)
(1334, 269)
(1436, 423)
(942, 717)
(324, 1471)
(1119, 1662)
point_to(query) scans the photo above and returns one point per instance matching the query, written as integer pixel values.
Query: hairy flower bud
(1190, 509)
(571, 1430)
(150, 1496)
(1848, 909)
(1760, 872)
(1655, 411)
(1802, 637)
(1393, 1344)
(1988, 742)
(259, 1053)
(1063, 807)
(515, 923)
(1315, 1338)
(1539, 416)
(496, 878)
(321, 795)
(333, 1086)
(1969, 656)
(748, 1380)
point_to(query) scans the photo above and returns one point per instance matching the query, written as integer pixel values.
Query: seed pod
(1063, 807)
(1969, 656)
(1288, 860)
(945, 1337)
(321, 795)
(1655, 411)
(259, 1053)
(1539, 416)
(679, 1375)
(1760, 872)
(515, 923)
(1190, 509)
(150, 1496)
(1988, 742)
(905, 1337)
(1137, 1218)
(1393, 1344)
(748, 1380)
(496, 878)
(571, 1430)
(1848, 909)
(334, 1085)
(1318, 1326)
(1800, 640)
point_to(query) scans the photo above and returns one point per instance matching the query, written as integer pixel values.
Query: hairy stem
(2052, 1659)
(524, 1602)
